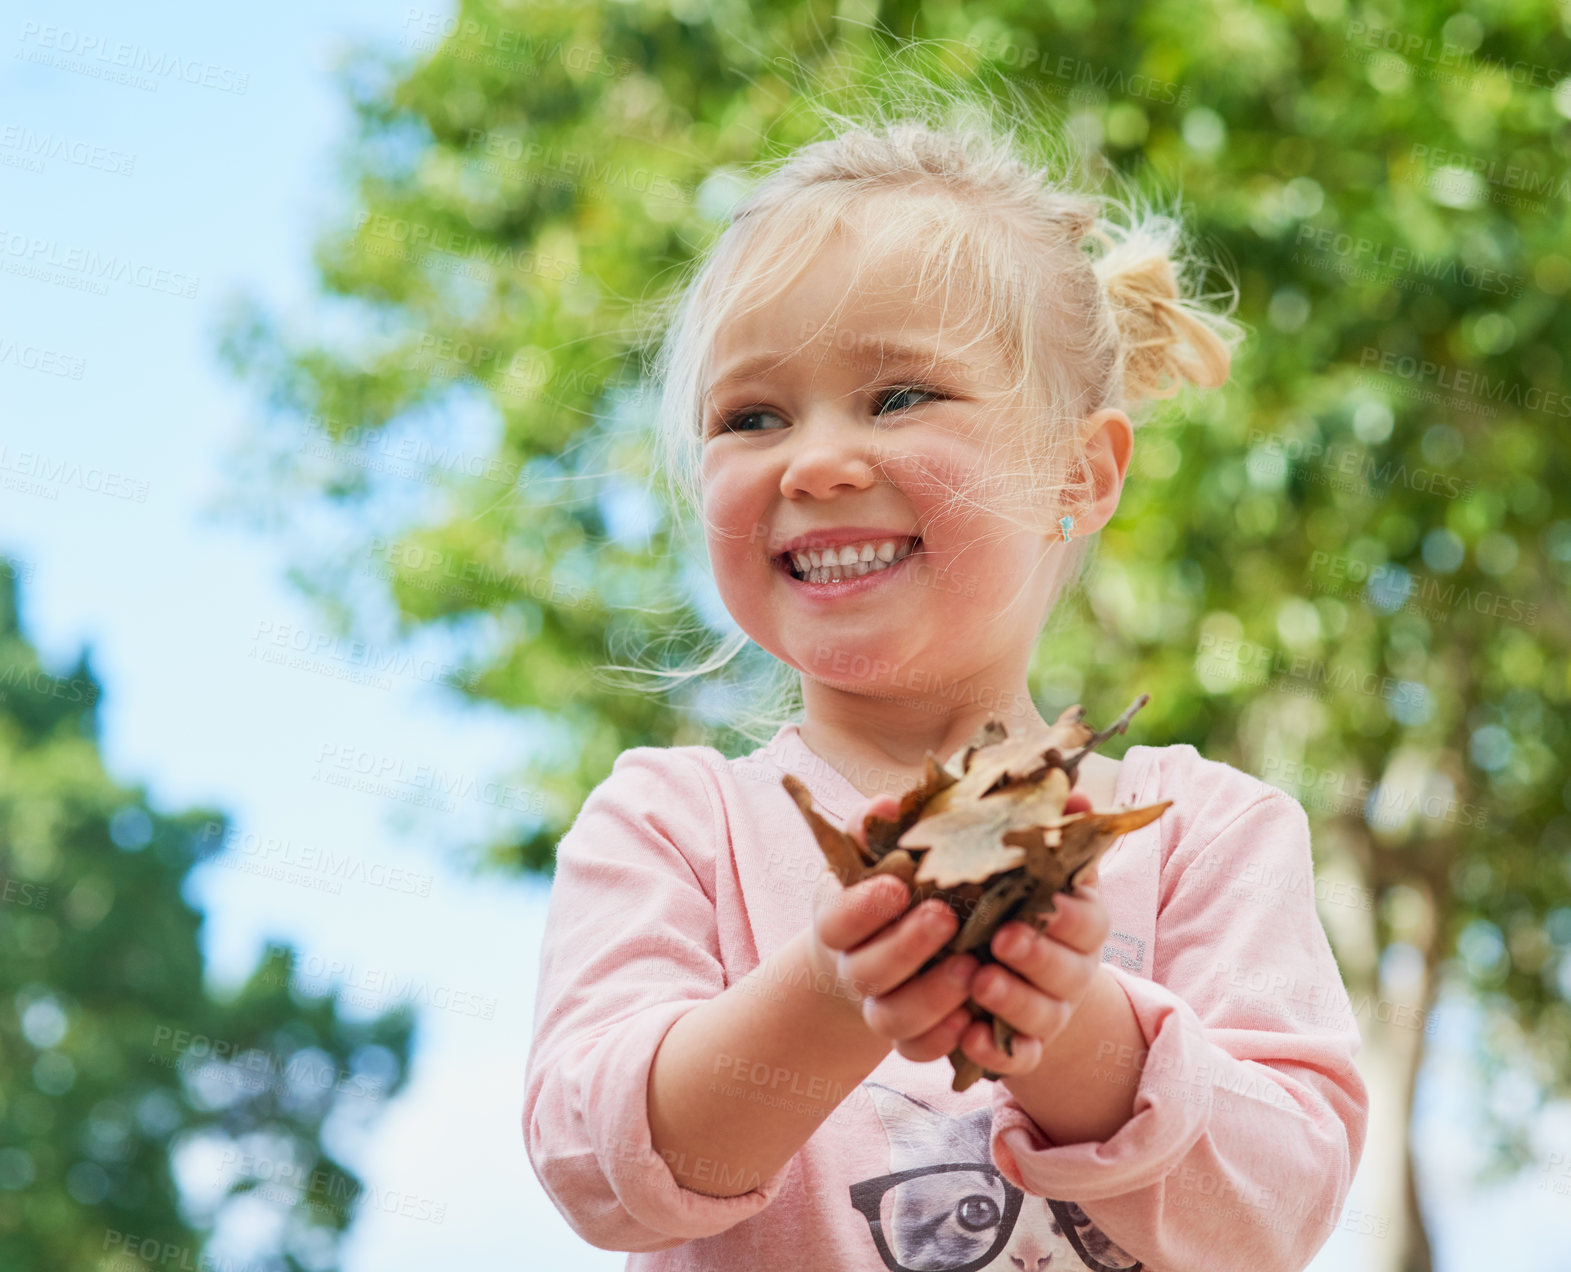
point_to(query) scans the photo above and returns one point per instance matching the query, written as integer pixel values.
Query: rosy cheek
(732, 530)
(933, 480)
(723, 509)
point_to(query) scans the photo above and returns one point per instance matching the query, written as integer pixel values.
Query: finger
(1079, 921)
(1050, 965)
(977, 1043)
(938, 1041)
(897, 952)
(1019, 1003)
(845, 917)
(921, 1003)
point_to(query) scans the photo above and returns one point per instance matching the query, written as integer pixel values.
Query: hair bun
(1166, 340)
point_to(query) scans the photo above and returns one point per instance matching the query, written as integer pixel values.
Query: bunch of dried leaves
(987, 832)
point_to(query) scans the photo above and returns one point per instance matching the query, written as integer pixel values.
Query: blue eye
(732, 423)
(893, 394)
(735, 421)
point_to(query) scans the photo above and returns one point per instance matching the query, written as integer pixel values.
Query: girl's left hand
(1039, 981)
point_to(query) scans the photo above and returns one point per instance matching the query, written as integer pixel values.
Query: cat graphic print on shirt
(944, 1206)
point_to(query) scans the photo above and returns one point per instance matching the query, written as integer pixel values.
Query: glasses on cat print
(956, 1217)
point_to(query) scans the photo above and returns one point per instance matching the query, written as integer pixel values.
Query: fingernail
(960, 969)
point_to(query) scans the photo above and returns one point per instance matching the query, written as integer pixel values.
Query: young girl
(900, 391)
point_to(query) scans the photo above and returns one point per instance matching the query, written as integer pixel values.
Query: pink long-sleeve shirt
(684, 870)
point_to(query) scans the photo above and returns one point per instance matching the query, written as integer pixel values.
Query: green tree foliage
(1346, 573)
(116, 1062)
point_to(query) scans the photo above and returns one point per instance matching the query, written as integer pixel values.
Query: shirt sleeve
(1249, 1113)
(630, 945)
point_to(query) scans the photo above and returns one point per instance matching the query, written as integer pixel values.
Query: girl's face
(849, 442)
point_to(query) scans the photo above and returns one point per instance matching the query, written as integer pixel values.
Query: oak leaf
(987, 832)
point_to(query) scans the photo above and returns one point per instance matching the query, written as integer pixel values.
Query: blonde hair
(1088, 297)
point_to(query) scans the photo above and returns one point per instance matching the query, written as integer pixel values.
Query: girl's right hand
(865, 935)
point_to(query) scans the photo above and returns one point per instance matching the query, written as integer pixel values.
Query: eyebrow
(887, 354)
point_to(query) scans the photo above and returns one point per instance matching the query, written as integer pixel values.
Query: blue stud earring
(1064, 523)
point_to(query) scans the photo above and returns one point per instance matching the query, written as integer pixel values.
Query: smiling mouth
(829, 565)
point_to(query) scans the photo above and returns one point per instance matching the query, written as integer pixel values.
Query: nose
(828, 450)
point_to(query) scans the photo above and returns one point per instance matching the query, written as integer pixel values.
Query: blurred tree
(1346, 574)
(120, 1074)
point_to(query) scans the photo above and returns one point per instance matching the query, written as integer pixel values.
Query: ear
(1109, 441)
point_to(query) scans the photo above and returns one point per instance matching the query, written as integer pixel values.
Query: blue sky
(204, 189)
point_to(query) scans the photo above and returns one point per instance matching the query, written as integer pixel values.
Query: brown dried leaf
(966, 1069)
(965, 843)
(987, 914)
(1085, 838)
(882, 833)
(1022, 759)
(844, 855)
(899, 863)
(987, 832)
(989, 734)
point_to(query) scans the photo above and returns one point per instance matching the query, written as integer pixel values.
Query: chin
(856, 666)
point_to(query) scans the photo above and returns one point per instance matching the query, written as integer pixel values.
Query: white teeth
(850, 562)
